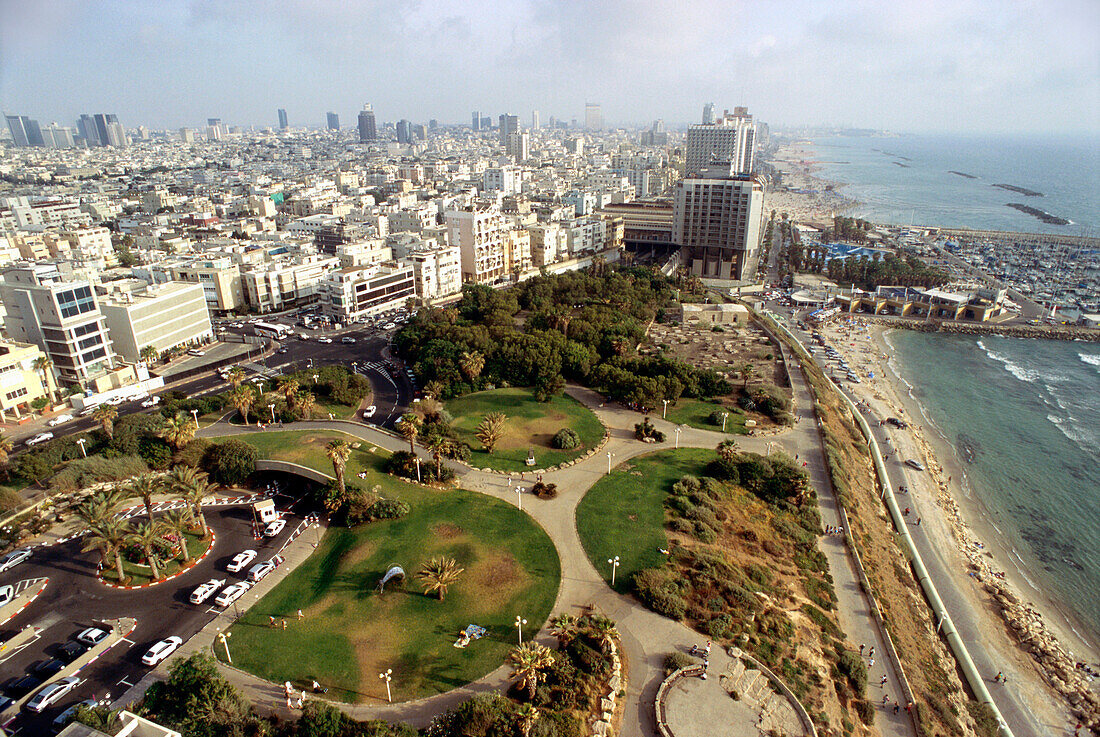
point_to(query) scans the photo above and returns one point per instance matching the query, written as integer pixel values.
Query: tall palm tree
(242, 398)
(438, 574)
(149, 354)
(146, 535)
(108, 537)
(179, 521)
(192, 486)
(235, 376)
(44, 365)
(145, 486)
(290, 389)
(105, 415)
(179, 429)
(471, 364)
(565, 627)
(438, 445)
(338, 451)
(306, 403)
(490, 430)
(528, 661)
(410, 428)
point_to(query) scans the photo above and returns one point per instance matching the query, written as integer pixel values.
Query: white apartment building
(549, 243)
(717, 219)
(518, 145)
(504, 179)
(20, 382)
(270, 287)
(220, 279)
(359, 292)
(583, 203)
(91, 243)
(311, 224)
(480, 237)
(730, 139)
(160, 315)
(437, 270)
(413, 220)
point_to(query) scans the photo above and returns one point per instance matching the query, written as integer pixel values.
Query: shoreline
(822, 199)
(1030, 629)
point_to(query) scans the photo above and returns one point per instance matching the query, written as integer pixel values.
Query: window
(75, 301)
(20, 392)
(85, 329)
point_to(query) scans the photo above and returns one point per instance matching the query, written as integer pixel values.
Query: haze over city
(963, 66)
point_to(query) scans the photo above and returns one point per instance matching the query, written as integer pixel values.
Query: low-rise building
(356, 293)
(716, 314)
(159, 315)
(220, 279)
(21, 381)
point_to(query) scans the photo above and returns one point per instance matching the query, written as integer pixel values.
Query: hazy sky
(913, 65)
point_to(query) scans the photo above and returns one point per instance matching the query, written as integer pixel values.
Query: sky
(966, 66)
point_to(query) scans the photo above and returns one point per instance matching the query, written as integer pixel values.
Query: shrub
(657, 589)
(677, 660)
(84, 472)
(544, 490)
(365, 509)
(851, 667)
(719, 627)
(155, 452)
(866, 711)
(230, 462)
(715, 417)
(646, 429)
(403, 463)
(192, 453)
(565, 439)
(130, 430)
(459, 452)
(587, 658)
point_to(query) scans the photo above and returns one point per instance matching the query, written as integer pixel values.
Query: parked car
(7, 593)
(206, 590)
(258, 571)
(39, 438)
(161, 650)
(60, 419)
(915, 464)
(14, 558)
(17, 688)
(47, 668)
(90, 409)
(369, 411)
(281, 351)
(92, 636)
(231, 593)
(324, 340)
(274, 528)
(196, 352)
(69, 714)
(52, 693)
(347, 339)
(70, 651)
(240, 560)
(152, 401)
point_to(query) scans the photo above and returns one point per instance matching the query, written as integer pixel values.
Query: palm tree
(747, 371)
(490, 430)
(179, 430)
(108, 537)
(565, 627)
(528, 715)
(105, 415)
(145, 486)
(44, 365)
(289, 389)
(727, 450)
(438, 574)
(179, 521)
(528, 661)
(242, 398)
(145, 536)
(471, 364)
(235, 376)
(338, 452)
(149, 354)
(438, 445)
(410, 428)
(604, 629)
(192, 486)
(306, 403)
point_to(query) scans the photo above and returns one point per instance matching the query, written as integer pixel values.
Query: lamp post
(664, 410)
(677, 437)
(272, 408)
(610, 455)
(223, 637)
(724, 416)
(418, 469)
(315, 377)
(519, 498)
(520, 621)
(195, 414)
(81, 442)
(310, 364)
(614, 567)
(387, 676)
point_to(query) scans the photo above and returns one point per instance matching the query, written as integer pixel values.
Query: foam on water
(1092, 359)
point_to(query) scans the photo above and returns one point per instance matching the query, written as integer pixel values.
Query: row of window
(20, 392)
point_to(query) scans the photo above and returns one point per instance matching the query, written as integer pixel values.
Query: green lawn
(530, 426)
(351, 633)
(696, 413)
(623, 514)
(307, 448)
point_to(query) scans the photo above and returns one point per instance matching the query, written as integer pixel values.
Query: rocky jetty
(1048, 332)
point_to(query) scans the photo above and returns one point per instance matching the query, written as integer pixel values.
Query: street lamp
(195, 414)
(610, 455)
(81, 442)
(520, 621)
(315, 377)
(677, 437)
(417, 469)
(664, 410)
(310, 364)
(223, 637)
(519, 498)
(614, 567)
(724, 416)
(387, 676)
(272, 408)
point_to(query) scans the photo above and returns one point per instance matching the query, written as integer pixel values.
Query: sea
(908, 179)
(1023, 417)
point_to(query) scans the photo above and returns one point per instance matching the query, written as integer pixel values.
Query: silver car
(52, 693)
(14, 558)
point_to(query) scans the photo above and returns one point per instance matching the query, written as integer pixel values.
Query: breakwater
(1046, 332)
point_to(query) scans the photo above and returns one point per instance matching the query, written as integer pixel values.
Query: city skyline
(908, 68)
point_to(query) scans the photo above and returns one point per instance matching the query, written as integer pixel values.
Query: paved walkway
(647, 637)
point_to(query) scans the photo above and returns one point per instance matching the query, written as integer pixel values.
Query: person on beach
(871, 663)
(918, 521)
(885, 699)
(997, 678)
(895, 707)
(861, 649)
(882, 683)
(871, 652)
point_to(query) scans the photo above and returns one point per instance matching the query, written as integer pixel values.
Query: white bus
(279, 332)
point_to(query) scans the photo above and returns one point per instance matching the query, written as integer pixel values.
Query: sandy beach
(817, 200)
(1027, 630)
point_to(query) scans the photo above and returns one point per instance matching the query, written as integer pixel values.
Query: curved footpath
(647, 637)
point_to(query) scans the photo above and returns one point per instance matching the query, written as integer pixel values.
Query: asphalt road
(74, 599)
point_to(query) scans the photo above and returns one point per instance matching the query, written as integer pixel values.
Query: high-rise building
(367, 129)
(518, 145)
(593, 116)
(535, 120)
(486, 122)
(729, 139)
(109, 131)
(708, 114)
(85, 126)
(283, 123)
(25, 131)
(56, 136)
(333, 121)
(404, 131)
(508, 124)
(475, 120)
(717, 220)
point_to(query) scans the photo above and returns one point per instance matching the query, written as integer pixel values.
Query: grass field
(530, 426)
(695, 413)
(624, 514)
(307, 448)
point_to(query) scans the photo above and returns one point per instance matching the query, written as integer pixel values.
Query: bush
(587, 658)
(460, 452)
(677, 660)
(565, 439)
(403, 463)
(362, 510)
(130, 430)
(230, 462)
(545, 491)
(657, 589)
(715, 417)
(192, 453)
(155, 452)
(646, 429)
(84, 472)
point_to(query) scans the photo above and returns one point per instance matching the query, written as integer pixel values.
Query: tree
(747, 371)
(290, 389)
(604, 629)
(565, 627)
(230, 462)
(179, 429)
(471, 363)
(108, 536)
(490, 430)
(438, 446)
(528, 661)
(44, 365)
(178, 522)
(192, 487)
(105, 415)
(306, 403)
(235, 376)
(149, 354)
(338, 451)
(242, 398)
(6, 446)
(727, 450)
(197, 700)
(527, 714)
(410, 428)
(146, 536)
(145, 486)
(438, 574)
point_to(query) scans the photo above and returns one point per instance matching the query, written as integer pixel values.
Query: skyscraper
(729, 139)
(593, 116)
(85, 126)
(404, 131)
(535, 120)
(333, 121)
(109, 131)
(708, 114)
(508, 124)
(25, 131)
(283, 124)
(367, 130)
(717, 219)
(475, 120)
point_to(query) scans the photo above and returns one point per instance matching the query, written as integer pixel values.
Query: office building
(730, 139)
(283, 122)
(708, 114)
(220, 279)
(593, 116)
(109, 131)
(486, 122)
(55, 136)
(138, 314)
(479, 235)
(717, 220)
(535, 120)
(355, 293)
(367, 130)
(404, 131)
(475, 120)
(25, 131)
(509, 124)
(518, 146)
(85, 126)
(333, 121)
(20, 381)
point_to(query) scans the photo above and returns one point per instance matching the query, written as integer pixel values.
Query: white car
(115, 401)
(274, 528)
(92, 636)
(258, 571)
(52, 693)
(89, 409)
(7, 593)
(369, 411)
(324, 340)
(231, 593)
(389, 326)
(39, 438)
(204, 592)
(196, 352)
(240, 560)
(915, 464)
(347, 339)
(152, 401)
(14, 558)
(59, 420)
(157, 653)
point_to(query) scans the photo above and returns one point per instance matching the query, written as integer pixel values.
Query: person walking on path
(694, 650)
(895, 707)
(882, 683)
(918, 521)
(997, 678)
(885, 699)
(871, 652)
(284, 624)
(300, 615)
(707, 648)
(270, 621)
(871, 664)
(861, 649)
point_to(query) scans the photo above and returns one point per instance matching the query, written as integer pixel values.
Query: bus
(269, 330)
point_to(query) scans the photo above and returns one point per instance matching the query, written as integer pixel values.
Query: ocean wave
(1083, 437)
(1025, 375)
(1092, 359)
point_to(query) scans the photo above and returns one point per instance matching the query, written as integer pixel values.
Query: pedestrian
(300, 615)
(707, 648)
(907, 511)
(871, 652)
(861, 646)
(997, 678)
(918, 521)
(871, 664)
(289, 704)
(300, 700)
(509, 482)
(288, 688)
(909, 708)
(882, 683)
(316, 686)
(694, 649)
(284, 624)
(706, 665)
(885, 699)
(895, 707)
(270, 621)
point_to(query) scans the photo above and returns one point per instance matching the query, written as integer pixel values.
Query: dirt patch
(447, 531)
(500, 572)
(359, 553)
(497, 578)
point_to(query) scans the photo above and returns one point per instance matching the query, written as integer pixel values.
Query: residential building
(138, 314)
(333, 121)
(593, 116)
(549, 243)
(367, 130)
(270, 287)
(355, 293)
(507, 179)
(437, 270)
(479, 235)
(535, 120)
(283, 122)
(220, 279)
(717, 220)
(509, 124)
(21, 382)
(518, 146)
(730, 139)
